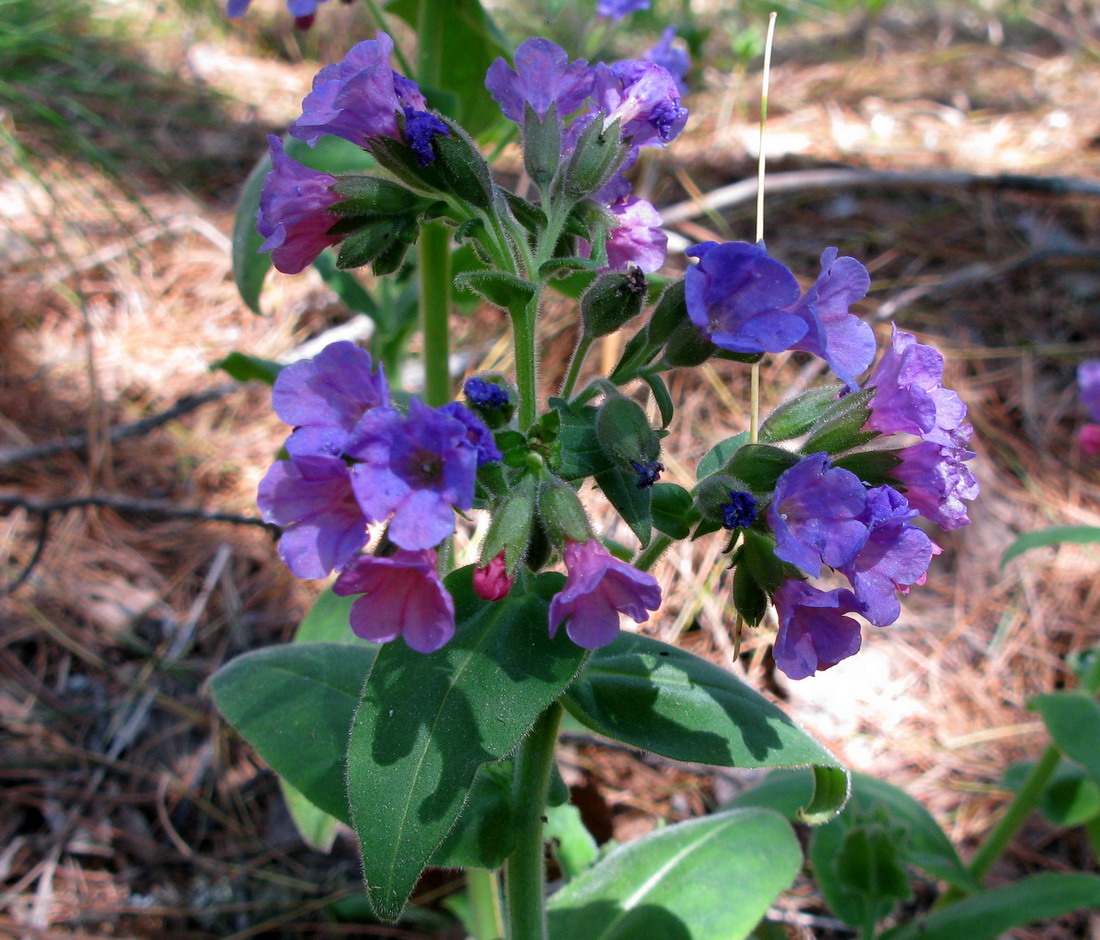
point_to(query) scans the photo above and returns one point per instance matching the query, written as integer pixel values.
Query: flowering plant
(467, 671)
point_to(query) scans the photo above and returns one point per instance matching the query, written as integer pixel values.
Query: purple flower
(313, 499)
(644, 97)
(841, 338)
(895, 555)
(485, 445)
(937, 480)
(909, 395)
(617, 9)
(813, 634)
(293, 216)
(816, 513)
(543, 77)
(415, 468)
(323, 398)
(637, 238)
(359, 98)
(486, 395)
(599, 588)
(299, 9)
(737, 296)
(402, 596)
(740, 512)
(670, 57)
(1088, 381)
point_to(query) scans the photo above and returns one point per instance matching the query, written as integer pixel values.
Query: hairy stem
(525, 875)
(486, 917)
(647, 558)
(526, 356)
(570, 381)
(435, 305)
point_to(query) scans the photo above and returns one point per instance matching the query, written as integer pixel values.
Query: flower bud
(624, 434)
(492, 582)
(562, 513)
(373, 197)
(463, 168)
(490, 399)
(594, 160)
(687, 346)
(669, 312)
(541, 144)
(510, 531)
(378, 242)
(612, 299)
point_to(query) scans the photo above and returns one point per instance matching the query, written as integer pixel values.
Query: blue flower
(617, 9)
(813, 633)
(543, 77)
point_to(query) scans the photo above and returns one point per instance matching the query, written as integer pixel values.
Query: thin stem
(754, 403)
(524, 872)
(765, 82)
(647, 558)
(380, 23)
(525, 354)
(584, 343)
(486, 916)
(435, 305)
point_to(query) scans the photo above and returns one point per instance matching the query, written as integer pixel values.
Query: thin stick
(765, 82)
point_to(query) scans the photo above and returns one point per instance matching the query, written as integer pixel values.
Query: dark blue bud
(740, 511)
(648, 472)
(484, 394)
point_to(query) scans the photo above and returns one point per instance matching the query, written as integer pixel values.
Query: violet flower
(841, 338)
(543, 77)
(895, 555)
(670, 57)
(737, 295)
(402, 596)
(323, 398)
(638, 238)
(299, 9)
(485, 445)
(598, 588)
(813, 633)
(293, 216)
(816, 514)
(910, 397)
(324, 525)
(1088, 383)
(643, 97)
(937, 480)
(415, 469)
(359, 99)
(617, 9)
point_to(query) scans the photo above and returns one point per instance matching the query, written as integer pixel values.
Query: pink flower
(599, 588)
(492, 583)
(402, 596)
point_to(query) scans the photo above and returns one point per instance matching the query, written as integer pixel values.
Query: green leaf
(1073, 720)
(250, 266)
(674, 511)
(659, 698)
(1063, 533)
(761, 465)
(661, 396)
(245, 368)
(570, 841)
(664, 885)
(485, 834)
(795, 417)
(346, 286)
(720, 454)
(425, 724)
(871, 466)
(832, 787)
(988, 915)
(328, 621)
(316, 827)
(501, 289)
(469, 42)
(294, 704)
(1070, 798)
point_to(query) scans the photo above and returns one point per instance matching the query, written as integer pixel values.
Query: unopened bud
(613, 299)
(594, 160)
(624, 434)
(510, 531)
(562, 514)
(492, 582)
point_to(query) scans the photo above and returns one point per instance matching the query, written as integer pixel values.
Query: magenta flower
(492, 582)
(360, 97)
(643, 97)
(598, 588)
(737, 296)
(323, 398)
(670, 57)
(910, 397)
(617, 9)
(543, 77)
(816, 514)
(417, 469)
(937, 480)
(638, 238)
(841, 338)
(402, 596)
(895, 555)
(312, 498)
(293, 216)
(813, 634)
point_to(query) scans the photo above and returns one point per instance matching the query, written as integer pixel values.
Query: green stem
(435, 305)
(380, 23)
(527, 367)
(524, 873)
(486, 917)
(648, 557)
(571, 376)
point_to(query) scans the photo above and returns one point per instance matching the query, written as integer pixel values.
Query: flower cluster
(1088, 384)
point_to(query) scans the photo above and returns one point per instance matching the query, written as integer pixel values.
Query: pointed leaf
(316, 827)
(1073, 720)
(250, 266)
(294, 704)
(720, 454)
(988, 915)
(245, 368)
(485, 834)
(501, 289)
(425, 724)
(664, 885)
(661, 396)
(659, 698)
(674, 511)
(1080, 534)
(571, 843)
